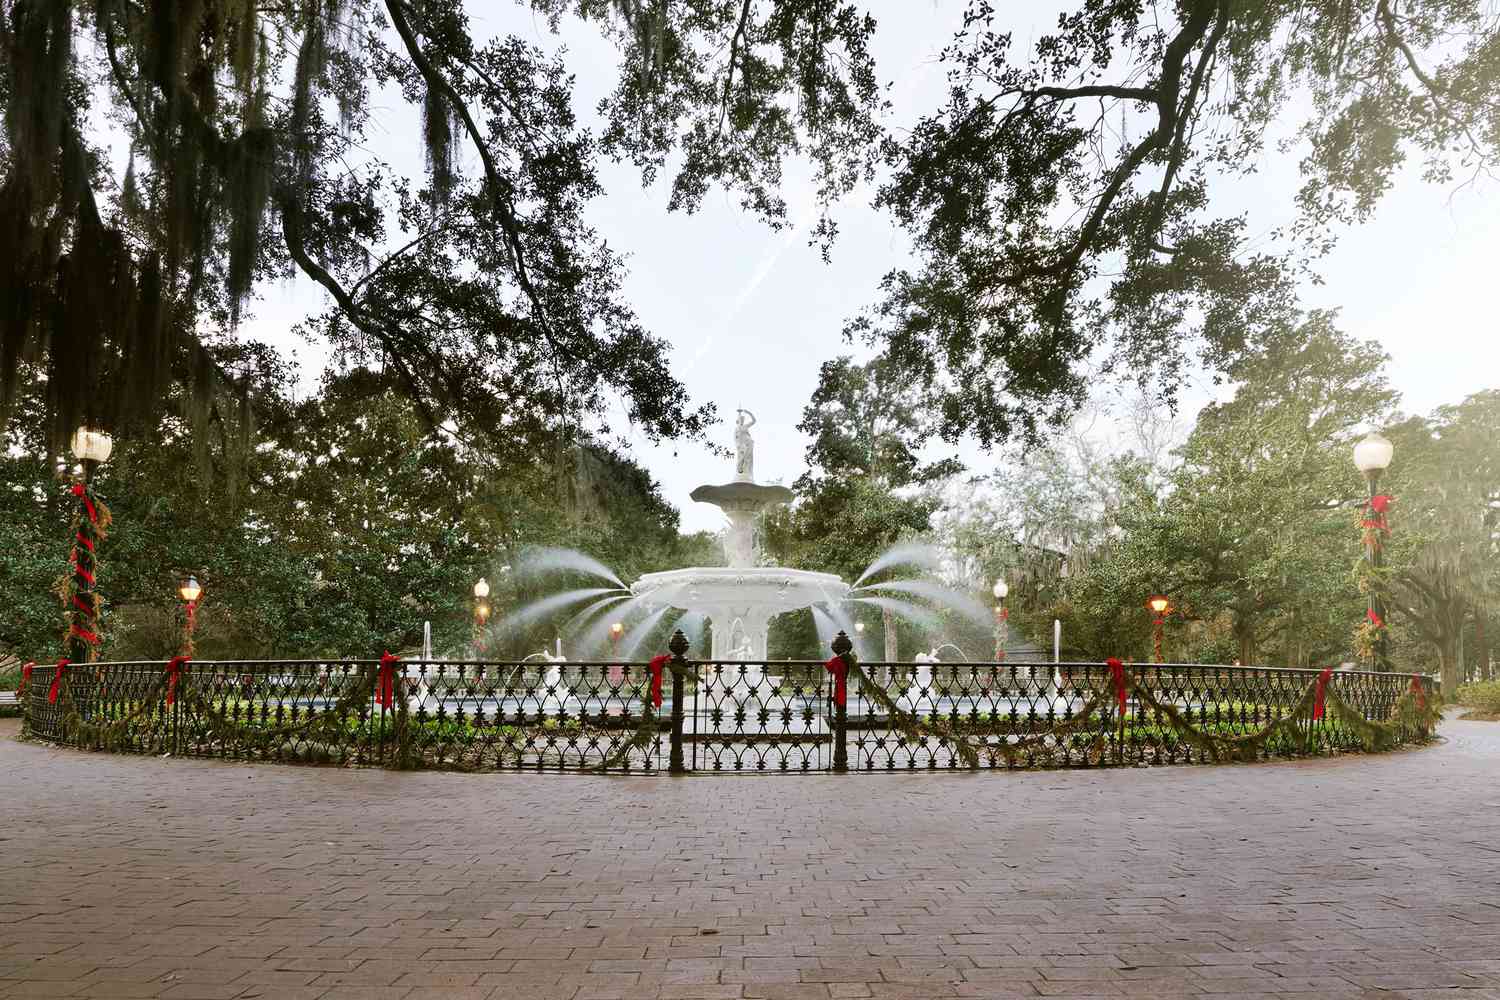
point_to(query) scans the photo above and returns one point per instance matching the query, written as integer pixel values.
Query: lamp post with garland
(481, 610)
(1372, 456)
(90, 525)
(1002, 619)
(190, 591)
(1159, 606)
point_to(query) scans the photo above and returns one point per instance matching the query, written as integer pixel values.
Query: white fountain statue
(916, 694)
(741, 598)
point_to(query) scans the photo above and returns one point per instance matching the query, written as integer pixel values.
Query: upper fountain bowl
(742, 495)
(772, 588)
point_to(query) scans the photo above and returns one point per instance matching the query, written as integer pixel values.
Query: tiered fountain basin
(699, 587)
(740, 601)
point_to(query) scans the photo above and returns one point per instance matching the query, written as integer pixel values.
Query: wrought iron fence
(729, 716)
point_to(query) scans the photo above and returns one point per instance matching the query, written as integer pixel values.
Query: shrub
(1483, 696)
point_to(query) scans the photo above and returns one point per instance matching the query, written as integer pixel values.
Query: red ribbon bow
(1320, 691)
(1374, 618)
(1416, 689)
(657, 664)
(388, 679)
(79, 491)
(839, 668)
(1381, 503)
(25, 677)
(57, 676)
(174, 671)
(1117, 674)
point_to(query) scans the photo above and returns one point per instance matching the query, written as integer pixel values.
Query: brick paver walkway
(1358, 877)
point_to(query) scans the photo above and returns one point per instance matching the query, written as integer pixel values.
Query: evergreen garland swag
(1410, 714)
(1413, 712)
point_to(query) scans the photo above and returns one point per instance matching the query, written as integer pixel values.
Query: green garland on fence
(329, 724)
(218, 724)
(1408, 715)
(644, 734)
(911, 727)
(1411, 713)
(102, 735)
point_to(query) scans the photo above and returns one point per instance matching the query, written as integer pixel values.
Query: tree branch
(734, 53)
(501, 190)
(291, 231)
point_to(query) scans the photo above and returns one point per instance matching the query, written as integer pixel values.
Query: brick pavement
(1355, 877)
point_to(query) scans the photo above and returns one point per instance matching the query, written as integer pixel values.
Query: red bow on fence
(1416, 689)
(25, 678)
(388, 679)
(57, 676)
(174, 671)
(657, 664)
(1320, 692)
(1117, 674)
(839, 668)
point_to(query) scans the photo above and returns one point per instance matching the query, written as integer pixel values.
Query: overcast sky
(752, 313)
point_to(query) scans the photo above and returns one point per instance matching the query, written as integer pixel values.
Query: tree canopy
(1063, 200)
(487, 295)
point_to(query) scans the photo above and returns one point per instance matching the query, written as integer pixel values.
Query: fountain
(740, 599)
(738, 602)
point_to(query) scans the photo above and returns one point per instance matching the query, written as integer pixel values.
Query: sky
(751, 313)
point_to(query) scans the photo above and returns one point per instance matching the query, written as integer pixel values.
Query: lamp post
(1158, 606)
(190, 591)
(616, 669)
(1372, 456)
(90, 524)
(1002, 619)
(481, 610)
(91, 448)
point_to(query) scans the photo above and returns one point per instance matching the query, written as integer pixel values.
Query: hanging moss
(437, 136)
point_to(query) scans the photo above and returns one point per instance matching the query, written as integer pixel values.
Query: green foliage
(1062, 200)
(1483, 696)
(1446, 555)
(1252, 533)
(867, 486)
(354, 524)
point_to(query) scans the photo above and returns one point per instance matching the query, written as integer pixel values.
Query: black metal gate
(759, 716)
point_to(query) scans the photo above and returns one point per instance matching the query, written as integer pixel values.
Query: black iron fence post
(678, 645)
(841, 648)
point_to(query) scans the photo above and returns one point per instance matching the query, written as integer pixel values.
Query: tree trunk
(1481, 644)
(1463, 663)
(1448, 666)
(1246, 636)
